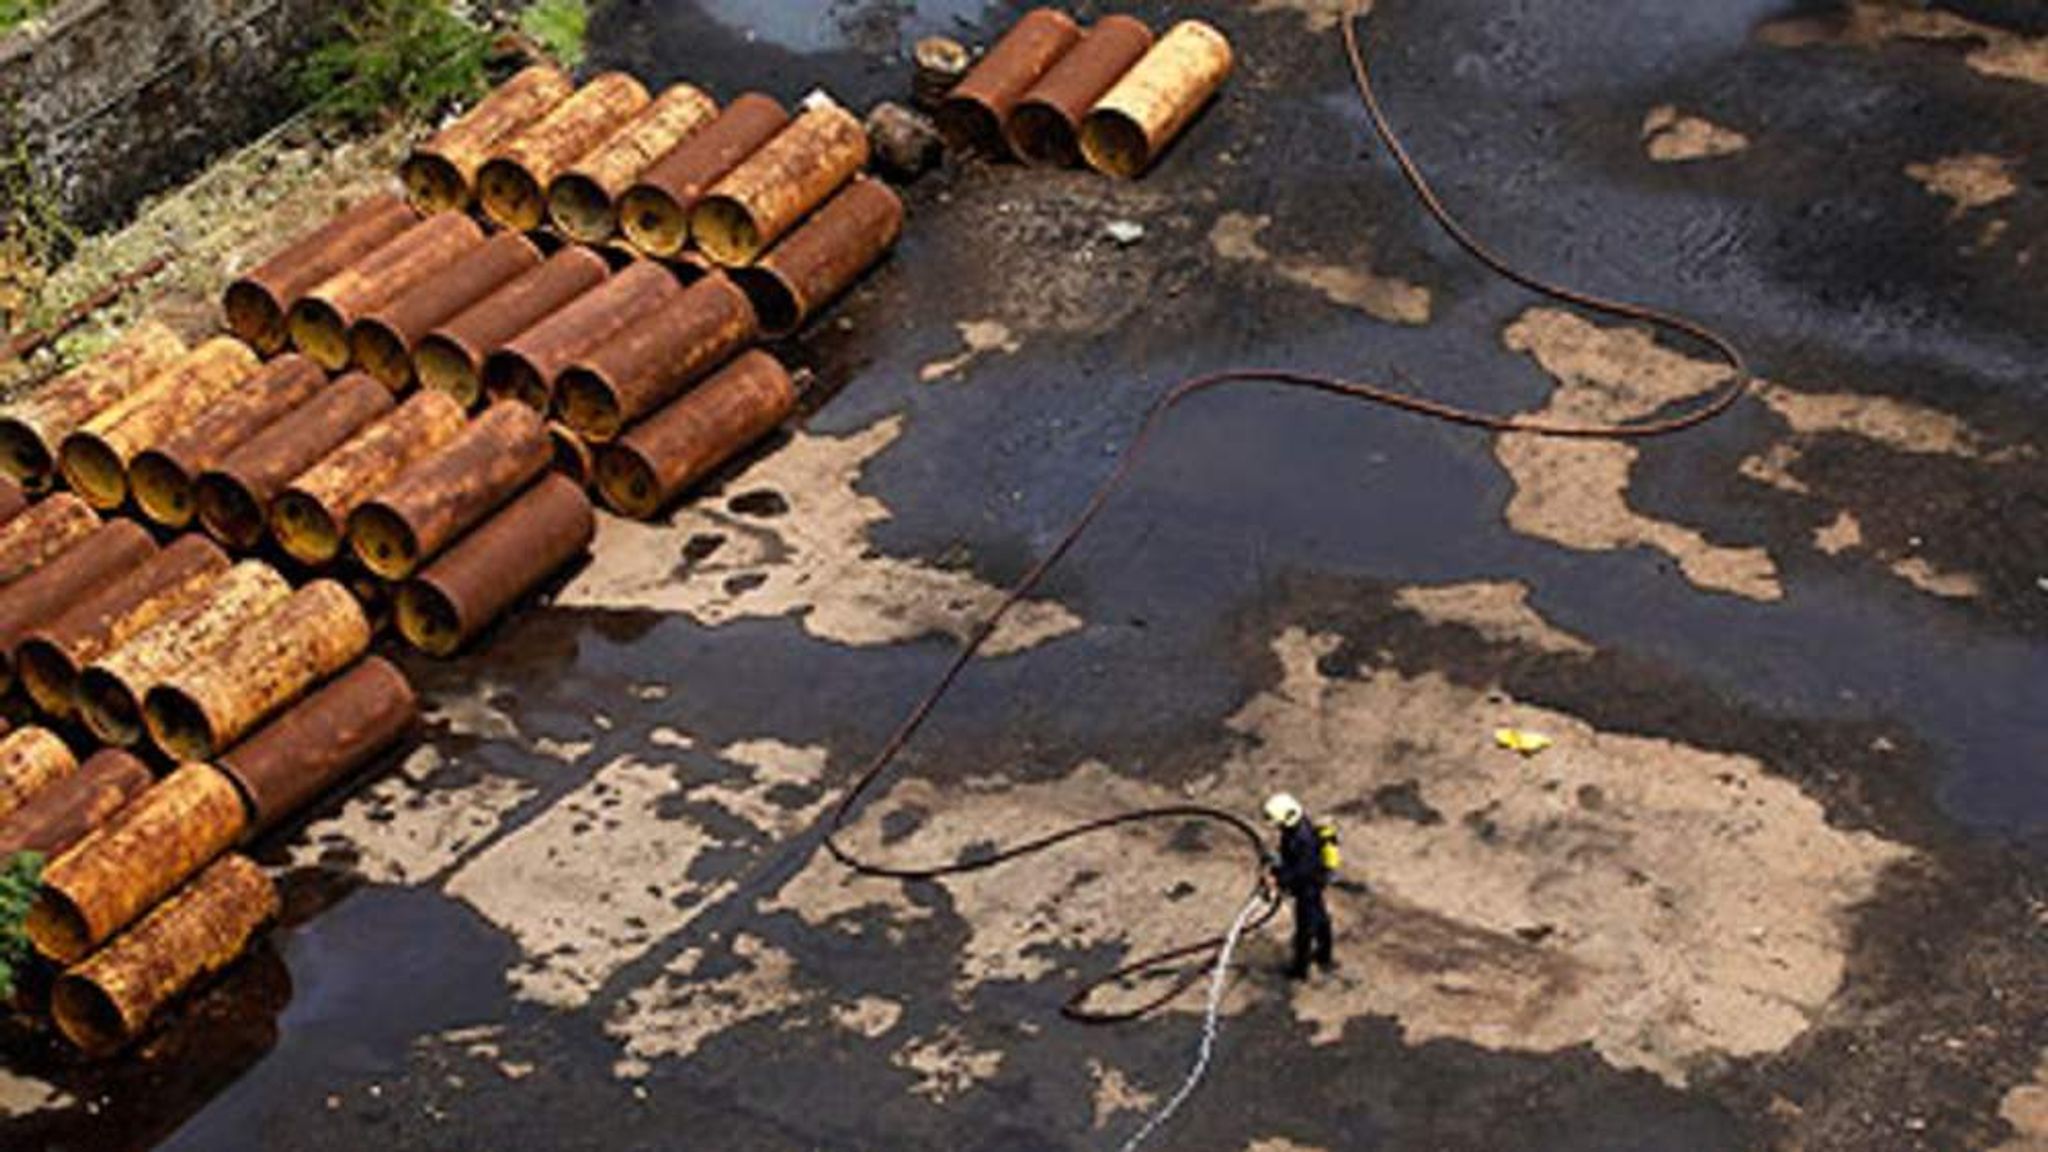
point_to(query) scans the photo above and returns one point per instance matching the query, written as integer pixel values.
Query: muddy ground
(1778, 882)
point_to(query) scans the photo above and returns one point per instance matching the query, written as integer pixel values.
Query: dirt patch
(1497, 610)
(1922, 573)
(947, 1065)
(1899, 425)
(2026, 1109)
(414, 824)
(1671, 137)
(870, 1016)
(1235, 238)
(1116, 1096)
(672, 1017)
(1869, 24)
(982, 338)
(1971, 181)
(811, 559)
(1840, 534)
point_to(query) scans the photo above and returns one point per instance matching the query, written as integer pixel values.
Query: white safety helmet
(1283, 810)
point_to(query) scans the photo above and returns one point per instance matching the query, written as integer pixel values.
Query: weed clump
(395, 57)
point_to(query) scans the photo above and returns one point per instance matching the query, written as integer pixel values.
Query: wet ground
(1779, 881)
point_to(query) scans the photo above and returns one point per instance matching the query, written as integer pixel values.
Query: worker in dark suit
(1301, 872)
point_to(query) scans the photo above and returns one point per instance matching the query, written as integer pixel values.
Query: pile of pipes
(1052, 93)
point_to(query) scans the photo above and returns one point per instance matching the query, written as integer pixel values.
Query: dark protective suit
(1300, 874)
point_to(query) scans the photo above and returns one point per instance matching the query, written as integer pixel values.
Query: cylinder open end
(626, 481)
(56, 927)
(433, 184)
(320, 333)
(511, 196)
(580, 207)
(428, 619)
(48, 675)
(969, 123)
(24, 455)
(586, 403)
(163, 490)
(178, 725)
(508, 375)
(230, 512)
(380, 351)
(87, 1016)
(255, 315)
(1115, 144)
(383, 542)
(725, 230)
(1040, 135)
(94, 470)
(444, 367)
(776, 305)
(109, 709)
(304, 529)
(653, 221)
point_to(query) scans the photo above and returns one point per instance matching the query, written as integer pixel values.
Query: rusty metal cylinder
(63, 811)
(321, 320)
(470, 586)
(1045, 126)
(440, 174)
(439, 498)
(758, 202)
(975, 112)
(1134, 122)
(38, 535)
(583, 201)
(111, 689)
(451, 358)
(258, 303)
(170, 582)
(234, 499)
(309, 519)
(165, 478)
(823, 257)
(13, 498)
(938, 65)
(642, 366)
(320, 742)
(95, 457)
(383, 340)
(106, 554)
(663, 456)
(575, 457)
(124, 867)
(32, 429)
(200, 710)
(107, 1001)
(526, 367)
(655, 212)
(513, 184)
(31, 759)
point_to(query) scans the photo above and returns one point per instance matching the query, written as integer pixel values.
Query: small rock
(1124, 233)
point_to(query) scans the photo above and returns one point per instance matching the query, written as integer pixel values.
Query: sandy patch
(2026, 1109)
(1498, 610)
(982, 338)
(1235, 237)
(25, 1095)
(1671, 137)
(1869, 24)
(947, 1065)
(1840, 534)
(1899, 425)
(415, 824)
(671, 1018)
(1973, 180)
(793, 541)
(870, 1016)
(1921, 573)
(1116, 1096)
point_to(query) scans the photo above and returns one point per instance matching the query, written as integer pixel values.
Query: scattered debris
(1672, 137)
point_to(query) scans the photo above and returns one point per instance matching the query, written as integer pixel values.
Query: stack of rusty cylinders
(1052, 93)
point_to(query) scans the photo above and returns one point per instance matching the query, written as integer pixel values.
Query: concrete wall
(117, 99)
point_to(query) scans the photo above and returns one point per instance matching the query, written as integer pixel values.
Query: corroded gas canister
(309, 519)
(31, 759)
(1134, 122)
(63, 811)
(234, 498)
(451, 358)
(661, 349)
(758, 202)
(50, 655)
(165, 478)
(124, 867)
(107, 1001)
(1045, 126)
(655, 212)
(442, 496)
(257, 303)
(470, 586)
(583, 201)
(99, 558)
(527, 366)
(320, 742)
(321, 320)
(33, 428)
(33, 538)
(823, 257)
(384, 339)
(975, 112)
(196, 712)
(111, 688)
(660, 458)
(440, 174)
(513, 184)
(95, 456)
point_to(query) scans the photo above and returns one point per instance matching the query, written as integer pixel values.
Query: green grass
(14, 13)
(395, 57)
(559, 27)
(20, 877)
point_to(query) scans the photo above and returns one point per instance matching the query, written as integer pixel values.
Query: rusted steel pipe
(668, 452)
(575, 457)
(258, 303)
(165, 478)
(509, 555)
(13, 498)
(199, 710)
(172, 581)
(111, 689)
(309, 519)
(383, 340)
(512, 185)
(938, 64)
(32, 429)
(31, 759)
(321, 320)
(1135, 121)
(33, 538)
(440, 497)
(63, 811)
(526, 367)
(451, 358)
(583, 201)
(655, 212)
(95, 457)
(823, 257)
(440, 175)
(975, 112)
(234, 499)
(106, 554)
(1045, 126)
(320, 742)
(671, 341)
(125, 866)
(758, 202)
